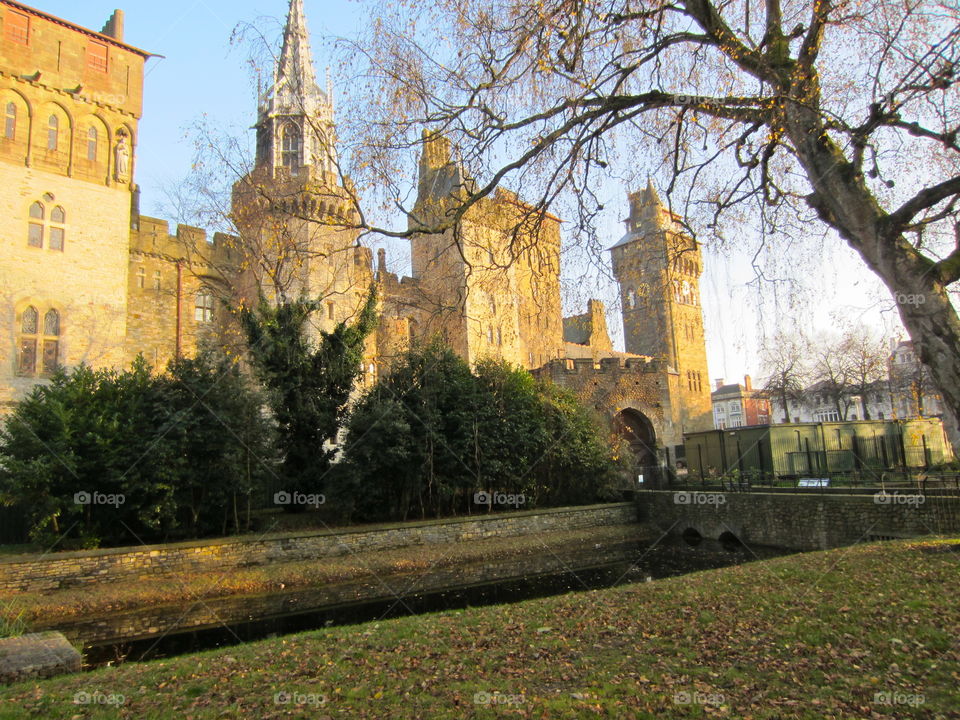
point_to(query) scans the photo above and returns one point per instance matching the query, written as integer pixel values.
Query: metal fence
(826, 482)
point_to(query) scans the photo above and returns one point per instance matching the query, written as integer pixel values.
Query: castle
(86, 278)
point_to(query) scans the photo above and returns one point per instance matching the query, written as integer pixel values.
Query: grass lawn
(865, 632)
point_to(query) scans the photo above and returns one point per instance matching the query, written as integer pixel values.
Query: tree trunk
(843, 201)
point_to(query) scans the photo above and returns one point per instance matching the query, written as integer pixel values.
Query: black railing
(940, 483)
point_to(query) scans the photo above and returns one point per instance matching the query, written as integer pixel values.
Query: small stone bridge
(799, 521)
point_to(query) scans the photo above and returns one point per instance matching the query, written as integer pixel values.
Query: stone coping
(37, 655)
(340, 530)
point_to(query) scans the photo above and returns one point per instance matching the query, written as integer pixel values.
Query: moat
(166, 631)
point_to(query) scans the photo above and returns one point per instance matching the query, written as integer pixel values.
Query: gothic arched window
(53, 132)
(29, 325)
(631, 299)
(55, 230)
(10, 126)
(34, 337)
(92, 144)
(290, 147)
(35, 228)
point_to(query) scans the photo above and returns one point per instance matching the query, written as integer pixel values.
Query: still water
(167, 631)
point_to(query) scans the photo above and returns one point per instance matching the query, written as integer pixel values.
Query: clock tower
(658, 267)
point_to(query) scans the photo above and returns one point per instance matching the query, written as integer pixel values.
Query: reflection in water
(167, 631)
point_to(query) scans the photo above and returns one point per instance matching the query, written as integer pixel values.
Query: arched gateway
(637, 430)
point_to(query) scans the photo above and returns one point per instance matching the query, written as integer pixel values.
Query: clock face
(642, 289)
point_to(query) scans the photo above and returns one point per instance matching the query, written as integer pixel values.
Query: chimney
(747, 383)
(114, 26)
(719, 382)
(381, 262)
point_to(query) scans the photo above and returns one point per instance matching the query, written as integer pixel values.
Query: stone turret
(295, 128)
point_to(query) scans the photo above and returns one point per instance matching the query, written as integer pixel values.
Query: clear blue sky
(201, 74)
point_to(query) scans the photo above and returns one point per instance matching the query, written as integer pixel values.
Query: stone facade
(82, 568)
(71, 100)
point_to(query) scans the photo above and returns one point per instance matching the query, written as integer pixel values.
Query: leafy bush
(101, 456)
(431, 434)
(308, 384)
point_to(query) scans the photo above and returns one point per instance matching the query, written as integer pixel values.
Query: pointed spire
(650, 196)
(647, 214)
(295, 101)
(296, 60)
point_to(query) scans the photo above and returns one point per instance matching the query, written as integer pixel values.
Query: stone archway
(637, 430)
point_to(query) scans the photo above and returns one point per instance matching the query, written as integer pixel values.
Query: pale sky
(201, 76)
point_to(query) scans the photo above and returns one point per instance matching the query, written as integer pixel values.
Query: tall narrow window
(56, 230)
(29, 323)
(97, 56)
(53, 132)
(35, 228)
(330, 310)
(17, 26)
(51, 342)
(141, 277)
(92, 144)
(290, 148)
(203, 312)
(10, 125)
(156, 279)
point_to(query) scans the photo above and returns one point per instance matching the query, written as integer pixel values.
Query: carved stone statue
(122, 152)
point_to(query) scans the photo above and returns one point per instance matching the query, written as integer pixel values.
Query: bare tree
(865, 359)
(784, 365)
(911, 387)
(832, 374)
(783, 113)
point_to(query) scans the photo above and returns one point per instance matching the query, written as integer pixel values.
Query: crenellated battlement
(190, 244)
(605, 367)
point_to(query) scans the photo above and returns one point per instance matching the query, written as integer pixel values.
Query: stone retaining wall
(75, 569)
(801, 521)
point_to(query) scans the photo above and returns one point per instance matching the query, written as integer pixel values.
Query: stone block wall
(77, 569)
(800, 521)
(36, 655)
